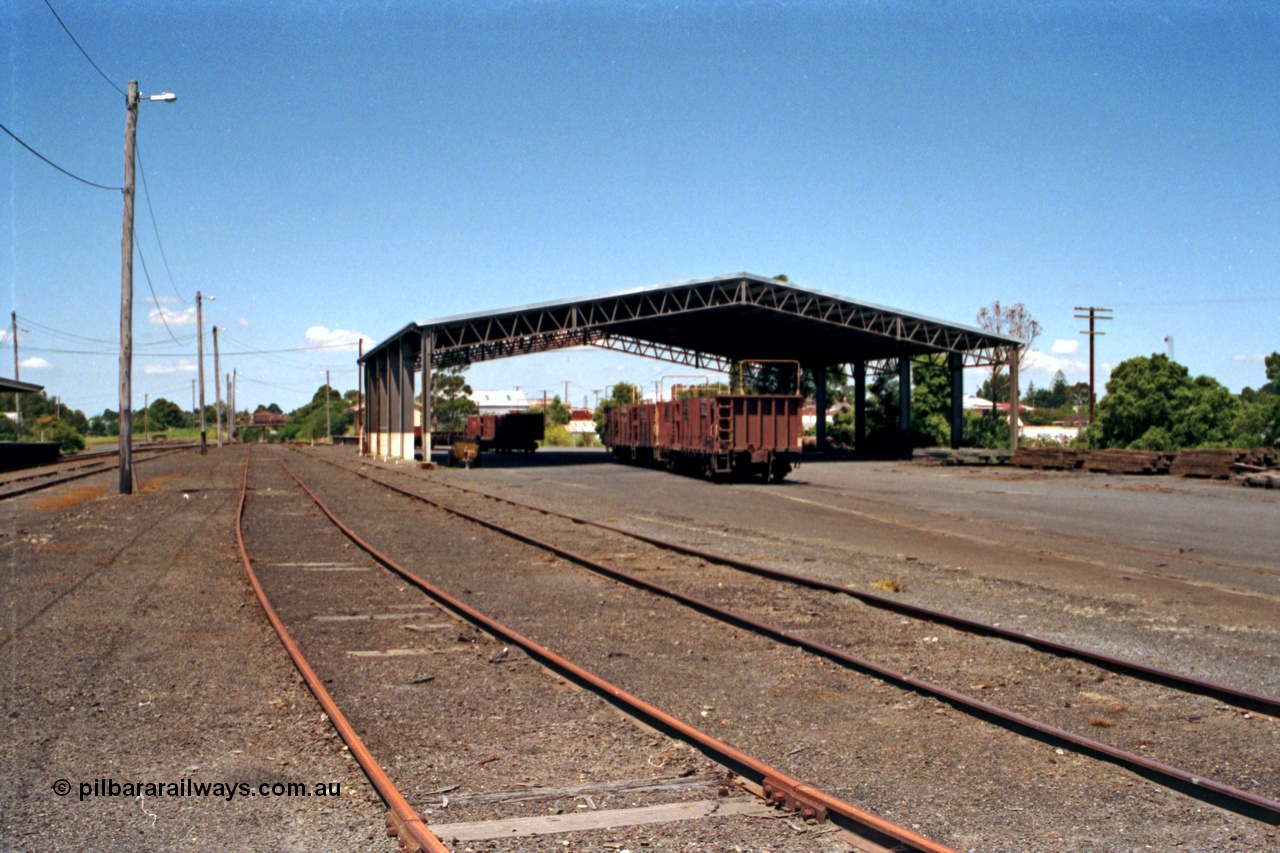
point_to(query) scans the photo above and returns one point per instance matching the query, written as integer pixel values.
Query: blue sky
(334, 170)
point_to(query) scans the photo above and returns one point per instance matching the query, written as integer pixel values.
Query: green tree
(309, 422)
(1059, 392)
(557, 413)
(451, 399)
(1078, 394)
(620, 394)
(165, 414)
(1273, 373)
(999, 392)
(1153, 403)
(931, 400)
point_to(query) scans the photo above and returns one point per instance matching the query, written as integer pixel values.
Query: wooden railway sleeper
(794, 798)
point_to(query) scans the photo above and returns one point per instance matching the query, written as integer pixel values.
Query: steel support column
(407, 347)
(394, 408)
(1014, 354)
(428, 351)
(957, 399)
(820, 404)
(384, 404)
(860, 406)
(904, 395)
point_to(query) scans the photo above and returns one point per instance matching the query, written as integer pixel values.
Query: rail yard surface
(135, 650)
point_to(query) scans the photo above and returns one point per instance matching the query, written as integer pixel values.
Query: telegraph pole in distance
(328, 404)
(217, 389)
(204, 437)
(17, 395)
(231, 404)
(1093, 315)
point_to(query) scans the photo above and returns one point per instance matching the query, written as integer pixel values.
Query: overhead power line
(55, 165)
(156, 228)
(82, 50)
(187, 354)
(147, 275)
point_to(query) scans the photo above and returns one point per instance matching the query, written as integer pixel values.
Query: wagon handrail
(662, 381)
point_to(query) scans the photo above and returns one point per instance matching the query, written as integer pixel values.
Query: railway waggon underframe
(727, 435)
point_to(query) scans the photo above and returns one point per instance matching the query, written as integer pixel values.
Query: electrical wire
(82, 50)
(154, 298)
(104, 341)
(55, 165)
(154, 227)
(186, 354)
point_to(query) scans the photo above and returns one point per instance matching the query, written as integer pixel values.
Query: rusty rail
(779, 787)
(1257, 702)
(79, 475)
(402, 820)
(1193, 785)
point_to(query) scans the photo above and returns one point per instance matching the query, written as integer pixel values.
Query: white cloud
(183, 366)
(1257, 356)
(35, 362)
(338, 339)
(185, 317)
(1065, 347)
(1040, 363)
(242, 323)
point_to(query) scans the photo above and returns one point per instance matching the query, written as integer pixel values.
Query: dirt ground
(133, 650)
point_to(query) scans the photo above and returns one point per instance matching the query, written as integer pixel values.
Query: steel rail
(74, 463)
(778, 786)
(1190, 784)
(402, 820)
(79, 475)
(1257, 702)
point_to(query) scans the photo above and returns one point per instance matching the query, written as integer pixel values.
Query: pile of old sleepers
(1254, 467)
(1048, 458)
(1219, 463)
(1128, 461)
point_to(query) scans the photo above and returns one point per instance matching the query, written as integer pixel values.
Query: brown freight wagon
(738, 435)
(512, 431)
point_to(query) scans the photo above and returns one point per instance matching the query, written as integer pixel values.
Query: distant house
(269, 419)
(972, 403)
(809, 414)
(581, 421)
(499, 402)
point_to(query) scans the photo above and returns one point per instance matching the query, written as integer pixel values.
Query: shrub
(557, 436)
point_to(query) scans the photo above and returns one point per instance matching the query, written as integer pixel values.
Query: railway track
(25, 481)
(1190, 783)
(774, 785)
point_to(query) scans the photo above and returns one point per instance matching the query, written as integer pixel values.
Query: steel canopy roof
(15, 385)
(708, 323)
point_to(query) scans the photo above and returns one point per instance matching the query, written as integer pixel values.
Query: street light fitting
(167, 97)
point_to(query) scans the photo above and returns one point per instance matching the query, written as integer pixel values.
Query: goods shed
(706, 324)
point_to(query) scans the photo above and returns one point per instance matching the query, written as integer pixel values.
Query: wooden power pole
(217, 389)
(204, 436)
(126, 296)
(1093, 315)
